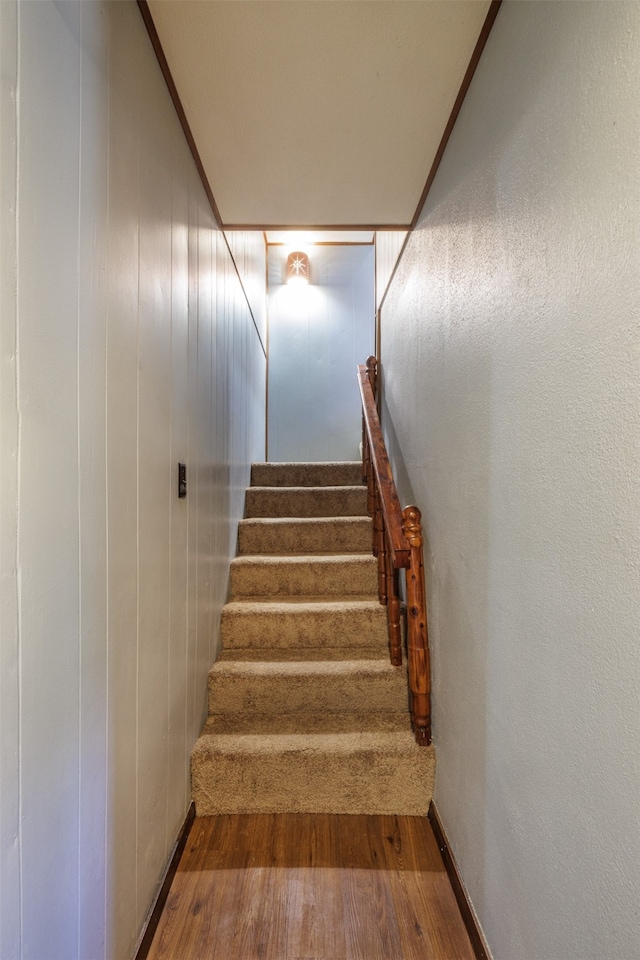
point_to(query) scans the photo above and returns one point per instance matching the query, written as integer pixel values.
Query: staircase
(306, 713)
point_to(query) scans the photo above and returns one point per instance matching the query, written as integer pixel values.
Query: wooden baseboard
(155, 913)
(478, 942)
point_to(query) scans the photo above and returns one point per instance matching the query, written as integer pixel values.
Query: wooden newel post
(417, 638)
(372, 373)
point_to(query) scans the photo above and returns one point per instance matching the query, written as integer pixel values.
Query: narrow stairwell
(306, 713)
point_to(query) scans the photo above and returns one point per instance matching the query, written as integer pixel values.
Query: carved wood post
(365, 454)
(417, 638)
(372, 373)
(371, 481)
(393, 613)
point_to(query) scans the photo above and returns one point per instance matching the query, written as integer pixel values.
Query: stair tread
(305, 668)
(266, 559)
(388, 742)
(283, 536)
(304, 598)
(301, 605)
(302, 654)
(337, 472)
(317, 488)
(306, 501)
(304, 521)
(301, 724)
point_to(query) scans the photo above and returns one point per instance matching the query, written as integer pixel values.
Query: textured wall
(317, 335)
(511, 356)
(126, 345)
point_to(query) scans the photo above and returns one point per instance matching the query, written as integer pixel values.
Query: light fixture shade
(298, 267)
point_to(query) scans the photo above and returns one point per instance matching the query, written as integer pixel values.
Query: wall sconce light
(297, 268)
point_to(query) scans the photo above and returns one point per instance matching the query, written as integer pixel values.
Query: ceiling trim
(464, 86)
(143, 6)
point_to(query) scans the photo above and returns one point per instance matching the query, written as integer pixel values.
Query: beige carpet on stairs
(306, 713)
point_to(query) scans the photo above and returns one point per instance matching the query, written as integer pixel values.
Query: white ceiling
(318, 112)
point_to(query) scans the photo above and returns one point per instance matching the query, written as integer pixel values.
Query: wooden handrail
(389, 502)
(397, 543)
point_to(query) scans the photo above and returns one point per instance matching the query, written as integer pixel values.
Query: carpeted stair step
(338, 501)
(238, 686)
(304, 653)
(258, 625)
(281, 723)
(345, 474)
(306, 714)
(341, 575)
(361, 772)
(304, 536)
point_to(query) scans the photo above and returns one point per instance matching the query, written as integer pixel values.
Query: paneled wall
(249, 251)
(388, 246)
(126, 345)
(511, 369)
(317, 335)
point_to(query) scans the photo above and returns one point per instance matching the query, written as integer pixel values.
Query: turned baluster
(393, 613)
(371, 481)
(375, 511)
(365, 454)
(417, 639)
(380, 550)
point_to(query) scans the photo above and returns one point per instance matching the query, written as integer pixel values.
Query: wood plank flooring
(311, 887)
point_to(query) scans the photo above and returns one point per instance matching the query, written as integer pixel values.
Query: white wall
(317, 336)
(511, 361)
(126, 345)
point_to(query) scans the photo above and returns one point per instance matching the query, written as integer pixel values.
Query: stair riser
(357, 577)
(313, 629)
(280, 537)
(306, 474)
(312, 782)
(310, 694)
(298, 502)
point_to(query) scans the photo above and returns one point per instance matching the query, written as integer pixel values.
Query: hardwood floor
(311, 887)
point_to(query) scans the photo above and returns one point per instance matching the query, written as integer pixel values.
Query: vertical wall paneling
(49, 85)
(154, 474)
(193, 463)
(249, 251)
(126, 346)
(92, 362)
(388, 244)
(317, 336)
(10, 906)
(177, 730)
(122, 474)
(204, 412)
